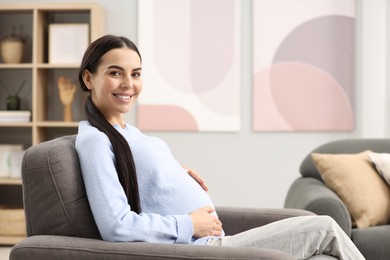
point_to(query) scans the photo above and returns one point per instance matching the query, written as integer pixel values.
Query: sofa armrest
(236, 219)
(63, 247)
(313, 195)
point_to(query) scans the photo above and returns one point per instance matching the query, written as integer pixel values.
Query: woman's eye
(136, 75)
(115, 73)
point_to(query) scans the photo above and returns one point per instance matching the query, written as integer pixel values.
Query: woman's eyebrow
(120, 68)
(115, 67)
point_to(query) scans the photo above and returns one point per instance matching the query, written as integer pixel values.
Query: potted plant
(13, 100)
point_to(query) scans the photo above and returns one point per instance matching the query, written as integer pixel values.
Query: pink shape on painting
(330, 47)
(165, 118)
(307, 98)
(266, 116)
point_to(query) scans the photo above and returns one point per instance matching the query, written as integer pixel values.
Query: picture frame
(198, 96)
(303, 72)
(67, 42)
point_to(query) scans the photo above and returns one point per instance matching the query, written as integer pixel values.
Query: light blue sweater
(167, 193)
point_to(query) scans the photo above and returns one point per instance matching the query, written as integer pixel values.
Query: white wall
(387, 69)
(256, 169)
(372, 68)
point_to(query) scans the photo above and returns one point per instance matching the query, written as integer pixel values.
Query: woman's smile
(123, 97)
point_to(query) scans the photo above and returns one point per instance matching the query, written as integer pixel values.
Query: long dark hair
(123, 157)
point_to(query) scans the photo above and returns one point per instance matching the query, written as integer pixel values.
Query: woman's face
(116, 83)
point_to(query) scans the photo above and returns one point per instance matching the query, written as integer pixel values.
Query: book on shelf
(15, 116)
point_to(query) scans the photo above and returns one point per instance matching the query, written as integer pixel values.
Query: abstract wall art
(191, 65)
(303, 65)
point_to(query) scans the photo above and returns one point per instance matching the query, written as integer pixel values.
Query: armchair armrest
(63, 247)
(236, 220)
(313, 195)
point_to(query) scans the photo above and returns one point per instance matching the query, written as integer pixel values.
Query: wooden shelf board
(16, 124)
(16, 65)
(49, 7)
(10, 240)
(57, 124)
(57, 66)
(11, 181)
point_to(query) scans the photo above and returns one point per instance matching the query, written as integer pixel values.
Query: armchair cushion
(75, 248)
(354, 179)
(234, 220)
(54, 196)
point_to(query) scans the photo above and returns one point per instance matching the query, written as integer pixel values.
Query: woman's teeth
(122, 97)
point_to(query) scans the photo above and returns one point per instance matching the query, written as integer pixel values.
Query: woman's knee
(320, 222)
(329, 223)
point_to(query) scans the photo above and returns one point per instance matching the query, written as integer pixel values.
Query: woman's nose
(127, 82)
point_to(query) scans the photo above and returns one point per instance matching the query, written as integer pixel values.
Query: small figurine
(66, 90)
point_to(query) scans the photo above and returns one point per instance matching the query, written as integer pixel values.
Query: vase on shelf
(12, 48)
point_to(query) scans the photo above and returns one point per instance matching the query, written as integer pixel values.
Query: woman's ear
(87, 78)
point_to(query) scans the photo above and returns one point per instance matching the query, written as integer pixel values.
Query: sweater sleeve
(112, 213)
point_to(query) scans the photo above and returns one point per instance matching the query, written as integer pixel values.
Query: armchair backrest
(345, 146)
(54, 196)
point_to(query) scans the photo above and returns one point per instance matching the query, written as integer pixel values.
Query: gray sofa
(60, 224)
(309, 192)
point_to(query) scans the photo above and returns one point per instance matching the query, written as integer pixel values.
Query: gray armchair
(309, 192)
(60, 224)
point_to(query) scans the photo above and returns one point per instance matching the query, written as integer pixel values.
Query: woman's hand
(205, 224)
(197, 177)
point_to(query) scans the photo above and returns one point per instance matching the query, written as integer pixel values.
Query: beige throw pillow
(353, 178)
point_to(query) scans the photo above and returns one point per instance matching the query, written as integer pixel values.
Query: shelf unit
(11, 195)
(39, 94)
